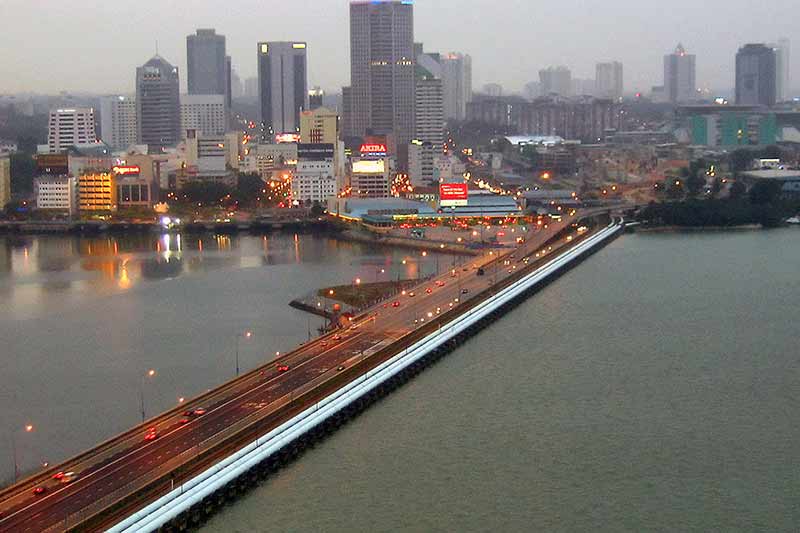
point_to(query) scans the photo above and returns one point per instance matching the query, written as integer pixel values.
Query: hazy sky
(95, 45)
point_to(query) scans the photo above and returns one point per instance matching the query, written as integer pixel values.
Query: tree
(740, 159)
(249, 190)
(695, 184)
(766, 193)
(205, 193)
(23, 170)
(738, 190)
(716, 188)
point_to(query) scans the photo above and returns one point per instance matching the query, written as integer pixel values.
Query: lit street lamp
(246, 335)
(28, 429)
(149, 374)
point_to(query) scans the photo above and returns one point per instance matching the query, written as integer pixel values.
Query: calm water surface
(655, 387)
(83, 319)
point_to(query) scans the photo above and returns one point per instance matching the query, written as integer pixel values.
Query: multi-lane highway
(125, 464)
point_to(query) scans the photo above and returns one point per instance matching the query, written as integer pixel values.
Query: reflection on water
(82, 317)
(109, 263)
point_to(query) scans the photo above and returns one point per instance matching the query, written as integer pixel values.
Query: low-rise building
(56, 193)
(97, 192)
(314, 181)
(371, 178)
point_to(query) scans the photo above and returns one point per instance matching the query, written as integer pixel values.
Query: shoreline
(91, 228)
(698, 229)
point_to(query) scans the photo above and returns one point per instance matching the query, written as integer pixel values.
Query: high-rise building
(283, 86)
(320, 126)
(205, 113)
(556, 80)
(680, 84)
(609, 81)
(783, 70)
(5, 181)
(158, 109)
(583, 87)
(456, 84)
(68, 127)
(382, 71)
(237, 87)
(316, 96)
(494, 90)
(251, 89)
(756, 75)
(228, 82)
(207, 66)
(429, 111)
(422, 159)
(533, 90)
(118, 121)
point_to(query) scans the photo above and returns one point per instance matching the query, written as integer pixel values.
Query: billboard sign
(286, 138)
(373, 150)
(314, 152)
(52, 164)
(453, 194)
(129, 170)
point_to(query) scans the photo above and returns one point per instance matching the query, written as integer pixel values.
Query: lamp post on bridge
(28, 429)
(246, 335)
(150, 374)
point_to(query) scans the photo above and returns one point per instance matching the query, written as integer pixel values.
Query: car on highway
(38, 491)
(282, 368)
(412, 294)
(440, 283)
(151, 435)
(200, 411)
(340, 368)
(68, 477)
(337, 338)
(185, 420)
(395, 304)
(429, 290)
(464, 291)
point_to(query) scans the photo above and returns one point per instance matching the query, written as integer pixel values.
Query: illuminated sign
(285, 138)
(264, 48)
(127, 170)
(453, 194)
(369, 167)
(299, 46)
(373, 149)
(52, 164)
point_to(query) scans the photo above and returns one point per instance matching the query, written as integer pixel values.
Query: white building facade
(68, 127)
(56, 193)
(314, 181)
(204, 113)
(118, 121)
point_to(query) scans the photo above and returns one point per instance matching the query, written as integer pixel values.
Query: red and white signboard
(453, 194)
(129, 170)
(373, 149)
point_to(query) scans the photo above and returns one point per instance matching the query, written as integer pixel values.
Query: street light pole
(28, 429)
(247, 335)
(150, 374)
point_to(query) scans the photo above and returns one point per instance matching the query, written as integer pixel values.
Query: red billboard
(453, 194)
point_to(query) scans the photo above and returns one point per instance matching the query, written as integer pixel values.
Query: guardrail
(178, 499)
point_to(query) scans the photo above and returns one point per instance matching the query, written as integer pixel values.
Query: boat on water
(793, 220)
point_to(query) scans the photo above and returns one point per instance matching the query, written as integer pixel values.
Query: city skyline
(466, 26)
